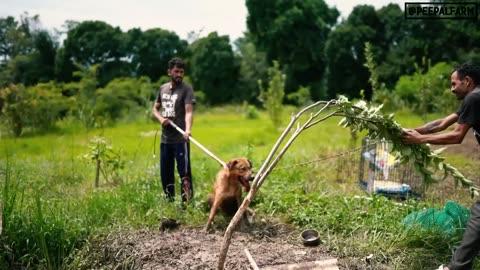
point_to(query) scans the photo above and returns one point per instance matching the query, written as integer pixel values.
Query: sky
(226, 17)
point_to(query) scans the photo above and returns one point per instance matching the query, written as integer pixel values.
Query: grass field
(51, 208)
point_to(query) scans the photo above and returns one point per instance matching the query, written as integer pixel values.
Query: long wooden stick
(199, 145)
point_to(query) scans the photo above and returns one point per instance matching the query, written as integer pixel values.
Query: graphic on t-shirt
(168, 102)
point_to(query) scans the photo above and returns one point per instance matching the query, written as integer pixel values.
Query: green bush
(427, 92)
(300, 98)
(250, 111)
(37, 107)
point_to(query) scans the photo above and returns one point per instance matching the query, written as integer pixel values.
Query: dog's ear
(232, 164)
(250, 163)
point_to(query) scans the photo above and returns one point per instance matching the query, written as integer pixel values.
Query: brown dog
(227, 190)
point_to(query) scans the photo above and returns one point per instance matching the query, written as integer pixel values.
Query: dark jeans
(467, 251)
(181, 153)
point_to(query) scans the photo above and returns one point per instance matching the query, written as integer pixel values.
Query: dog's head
(241, 169)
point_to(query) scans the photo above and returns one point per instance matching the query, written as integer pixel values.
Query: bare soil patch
(190, 248)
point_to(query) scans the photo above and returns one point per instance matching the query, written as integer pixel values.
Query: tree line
(114, 72)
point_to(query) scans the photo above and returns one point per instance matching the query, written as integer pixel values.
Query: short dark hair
(176, 62)
(470, 70)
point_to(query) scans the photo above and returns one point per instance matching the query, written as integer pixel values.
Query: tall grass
(51, 210)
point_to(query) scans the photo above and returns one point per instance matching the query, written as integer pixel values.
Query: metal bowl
(310, 237)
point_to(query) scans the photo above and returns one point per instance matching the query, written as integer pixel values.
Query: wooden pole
(199, 145)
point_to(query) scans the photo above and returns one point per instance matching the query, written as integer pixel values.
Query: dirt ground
(185, 248)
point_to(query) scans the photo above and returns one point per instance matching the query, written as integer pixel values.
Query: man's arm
(188, 120)
(438, 125)
(452, 137)
(156, 113)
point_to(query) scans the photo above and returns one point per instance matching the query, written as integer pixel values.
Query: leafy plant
(250, 111)
(107, 161)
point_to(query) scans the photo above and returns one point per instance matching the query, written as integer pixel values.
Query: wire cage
(381, 173)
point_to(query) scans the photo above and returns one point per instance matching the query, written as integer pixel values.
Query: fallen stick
(251, 260)
(199, 145)
(330, 264)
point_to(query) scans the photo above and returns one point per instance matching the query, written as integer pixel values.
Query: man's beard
(177, 80)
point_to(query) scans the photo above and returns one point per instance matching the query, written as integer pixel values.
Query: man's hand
(411, 136)
(165, 122)
(187, 134)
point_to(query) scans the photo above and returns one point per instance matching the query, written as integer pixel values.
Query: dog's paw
(249, 214)
(207, 229)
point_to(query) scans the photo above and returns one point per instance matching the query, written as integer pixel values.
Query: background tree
(213, 68)
(37, 65)
(27, 52)
(151, 50)
(294, 33)
(462, 39)
(408, 41)
(347, 74)
(64, 67)
(15, 36)
(253, 67)
(8, 27)
(272, 97)
(96, 42)
(85, 96)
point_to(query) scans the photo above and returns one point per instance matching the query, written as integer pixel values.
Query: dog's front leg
(213, 211)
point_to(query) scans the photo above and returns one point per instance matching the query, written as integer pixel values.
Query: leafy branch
(428, 163)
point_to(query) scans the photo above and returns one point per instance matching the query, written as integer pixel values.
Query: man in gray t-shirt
(465, 84)
(174, 103)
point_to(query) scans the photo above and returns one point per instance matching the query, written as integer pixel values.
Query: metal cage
(381, 173)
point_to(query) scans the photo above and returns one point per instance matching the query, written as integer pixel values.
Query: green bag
(450, 220)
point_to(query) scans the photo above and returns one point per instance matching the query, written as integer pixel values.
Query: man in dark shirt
(174, 103)
(465, 84)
